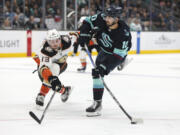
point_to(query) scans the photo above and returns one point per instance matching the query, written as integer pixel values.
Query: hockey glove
(83, 39)
(94, 31)
(55, 83)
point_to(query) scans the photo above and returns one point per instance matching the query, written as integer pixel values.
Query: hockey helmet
(52, 34)
(113, 11)
(53, 38)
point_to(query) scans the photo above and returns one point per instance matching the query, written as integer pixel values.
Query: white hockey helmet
(53, 38)
(52, 35)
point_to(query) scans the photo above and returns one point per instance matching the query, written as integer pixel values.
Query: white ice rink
(147, 88)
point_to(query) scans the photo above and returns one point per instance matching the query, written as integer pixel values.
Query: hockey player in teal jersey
(114, 39)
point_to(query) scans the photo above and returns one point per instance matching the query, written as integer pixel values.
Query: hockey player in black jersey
(114, 38)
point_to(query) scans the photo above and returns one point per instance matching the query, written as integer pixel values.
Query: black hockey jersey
(116, 42)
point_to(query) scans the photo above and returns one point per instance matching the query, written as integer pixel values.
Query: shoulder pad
(66, 42)
(66, 38)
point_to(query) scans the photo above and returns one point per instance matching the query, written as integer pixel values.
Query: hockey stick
(70, 14)
(35, 71)
(133, 120)
(44, 112)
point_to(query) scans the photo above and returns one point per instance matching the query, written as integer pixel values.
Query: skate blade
(93, 114)
(81, 71)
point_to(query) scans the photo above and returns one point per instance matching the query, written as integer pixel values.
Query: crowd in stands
(163, 15)
(29, 15)
(140, 15)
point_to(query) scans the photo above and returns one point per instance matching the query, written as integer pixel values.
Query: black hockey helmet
(113, 11)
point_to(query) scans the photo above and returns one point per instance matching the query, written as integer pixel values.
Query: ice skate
(40, 101)
(67, 92)
(82, 69)
(94, 109)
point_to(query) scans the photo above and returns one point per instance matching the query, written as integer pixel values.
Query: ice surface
(148, 88)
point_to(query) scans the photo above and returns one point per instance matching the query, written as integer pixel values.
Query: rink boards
(26, 43)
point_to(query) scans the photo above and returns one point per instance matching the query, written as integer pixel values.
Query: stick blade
(137, 121)
(34, 117)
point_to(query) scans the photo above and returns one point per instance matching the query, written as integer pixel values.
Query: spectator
(31, 24)
(145, 21)
(135, 25)
(7, 6)
(54, 7)
(98, 5)
(16, 23)
(36, 16)
(139, 9)
(162, 4)
(27, 12)
(42, 25)
(159, 23)
(52, 23)
(85, 11)
(6, 25)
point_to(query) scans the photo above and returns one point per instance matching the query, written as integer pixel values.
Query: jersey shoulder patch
(47, 50)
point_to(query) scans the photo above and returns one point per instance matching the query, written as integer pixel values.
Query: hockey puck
(133, 122)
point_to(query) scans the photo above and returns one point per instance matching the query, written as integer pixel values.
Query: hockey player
(91, 45)
(51, 61)
(114, 38)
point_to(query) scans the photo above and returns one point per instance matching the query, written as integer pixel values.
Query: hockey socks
(98, 89)
(44, 90)
(83, 64)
